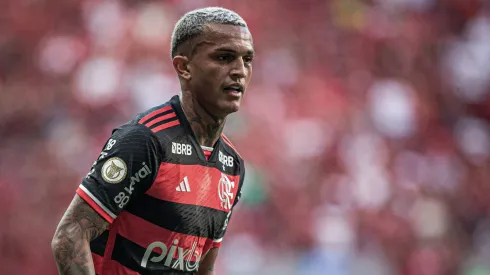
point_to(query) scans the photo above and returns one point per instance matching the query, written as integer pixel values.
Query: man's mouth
(235, 89)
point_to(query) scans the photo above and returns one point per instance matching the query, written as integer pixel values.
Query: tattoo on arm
(71, 242)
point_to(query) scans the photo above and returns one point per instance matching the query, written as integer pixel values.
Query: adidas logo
(184, 186)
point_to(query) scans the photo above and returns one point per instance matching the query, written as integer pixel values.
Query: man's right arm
(71, 243)
(126, 168)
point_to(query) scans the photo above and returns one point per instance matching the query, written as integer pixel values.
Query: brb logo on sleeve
(176, 257)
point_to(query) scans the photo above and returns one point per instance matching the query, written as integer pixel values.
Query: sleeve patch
(114, 170)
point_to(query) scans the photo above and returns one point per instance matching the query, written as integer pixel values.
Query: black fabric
(132, 150)
(187, 219)
(98, 245)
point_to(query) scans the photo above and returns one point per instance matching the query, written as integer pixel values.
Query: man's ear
(181, 66)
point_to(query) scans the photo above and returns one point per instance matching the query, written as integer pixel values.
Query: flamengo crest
(225, 193)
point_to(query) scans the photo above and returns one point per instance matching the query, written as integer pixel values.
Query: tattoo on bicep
(80, 225)
(211, 268)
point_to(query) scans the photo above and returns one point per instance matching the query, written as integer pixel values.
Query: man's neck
(205, 126)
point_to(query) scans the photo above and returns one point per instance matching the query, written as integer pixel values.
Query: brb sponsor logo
(181, 149)
(123, 197)
(226, 160)
(176, 257)
(225, 192)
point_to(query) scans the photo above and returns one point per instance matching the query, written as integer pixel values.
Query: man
(160, 195)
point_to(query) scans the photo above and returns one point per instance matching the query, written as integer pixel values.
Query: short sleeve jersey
(166, 202)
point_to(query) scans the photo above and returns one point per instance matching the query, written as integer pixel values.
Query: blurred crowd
(366, 128)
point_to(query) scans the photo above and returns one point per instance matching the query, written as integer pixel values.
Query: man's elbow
(56, 245)
(63, 244)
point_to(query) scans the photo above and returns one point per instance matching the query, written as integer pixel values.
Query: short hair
(191, 25)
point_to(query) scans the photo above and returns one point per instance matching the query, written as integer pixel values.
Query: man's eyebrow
(230, 50)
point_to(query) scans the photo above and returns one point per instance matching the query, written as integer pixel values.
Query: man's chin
(229, 107)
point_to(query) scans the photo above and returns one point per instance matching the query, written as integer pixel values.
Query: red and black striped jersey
(166, 202)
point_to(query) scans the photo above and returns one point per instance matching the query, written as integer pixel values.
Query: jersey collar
(177, 106)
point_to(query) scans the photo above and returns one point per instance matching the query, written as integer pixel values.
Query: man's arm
(206, 267)
(71, 242)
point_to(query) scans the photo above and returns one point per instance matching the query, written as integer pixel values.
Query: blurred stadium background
(366, 128)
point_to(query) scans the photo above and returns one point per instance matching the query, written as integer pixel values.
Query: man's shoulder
(155, 119)
(147, 117)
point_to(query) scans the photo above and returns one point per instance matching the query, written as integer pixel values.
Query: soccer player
(159, 197)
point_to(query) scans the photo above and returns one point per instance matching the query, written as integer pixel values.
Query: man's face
(221, 68)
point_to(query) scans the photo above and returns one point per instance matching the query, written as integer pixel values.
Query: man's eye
(248, 59)
(225, 57)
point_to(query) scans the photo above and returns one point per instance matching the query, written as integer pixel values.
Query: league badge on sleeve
(114, 170)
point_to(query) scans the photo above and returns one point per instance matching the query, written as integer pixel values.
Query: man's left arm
(206, 267)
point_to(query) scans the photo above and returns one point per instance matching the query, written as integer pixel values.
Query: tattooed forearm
(71, 242)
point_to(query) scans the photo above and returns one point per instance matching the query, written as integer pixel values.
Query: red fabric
(203, 183)
(154, 113)
(207, 154)
(162, 118)
(98, 261)
(165, 126)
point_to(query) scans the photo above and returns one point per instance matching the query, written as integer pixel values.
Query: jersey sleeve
(126, 167)
(217, 241)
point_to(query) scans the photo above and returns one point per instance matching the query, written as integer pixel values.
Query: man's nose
(238, 70)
